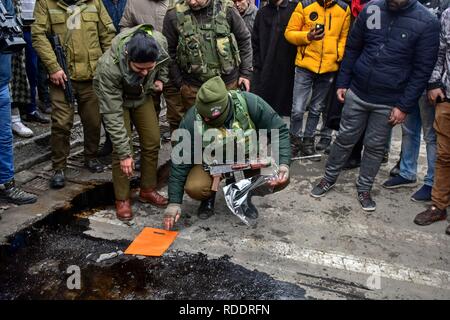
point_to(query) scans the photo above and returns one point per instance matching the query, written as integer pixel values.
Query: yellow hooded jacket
(319, 56)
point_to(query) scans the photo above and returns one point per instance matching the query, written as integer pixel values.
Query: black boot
(12, 194)
(395, 171)
(58, 180)
(94, 165)
(206, 208)
(308, 146)
(296, 145)
(251, 212)
(323, 143)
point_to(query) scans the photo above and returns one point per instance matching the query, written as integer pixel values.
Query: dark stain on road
(35, 266)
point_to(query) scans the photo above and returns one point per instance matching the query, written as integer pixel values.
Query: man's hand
(171, 215)
(283, 177)
(58, 78)
(246, 83)
(158, 86)
(434, 94)
(397, 116)
(341, 92)
(127, 166)
(315, 34)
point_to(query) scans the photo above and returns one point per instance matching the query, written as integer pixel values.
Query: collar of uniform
(64, 5)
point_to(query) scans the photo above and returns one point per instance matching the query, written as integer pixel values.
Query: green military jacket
(263, 117)
(85, 36)
(115, 92)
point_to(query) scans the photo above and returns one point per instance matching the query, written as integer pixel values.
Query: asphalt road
(328, 246)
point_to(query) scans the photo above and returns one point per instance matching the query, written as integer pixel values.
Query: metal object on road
(317, 156)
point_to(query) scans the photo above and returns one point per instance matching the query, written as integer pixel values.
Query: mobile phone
(320, 27)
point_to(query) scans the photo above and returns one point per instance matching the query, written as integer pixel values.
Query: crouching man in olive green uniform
(230, 112)
(85, 30)
(126, 75)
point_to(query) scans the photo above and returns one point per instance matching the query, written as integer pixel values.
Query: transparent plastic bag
(238, 195)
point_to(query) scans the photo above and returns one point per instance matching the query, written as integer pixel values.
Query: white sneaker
(19, 128)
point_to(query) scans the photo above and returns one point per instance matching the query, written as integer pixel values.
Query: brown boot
(432, 214)
(123, 210)
(152, 196)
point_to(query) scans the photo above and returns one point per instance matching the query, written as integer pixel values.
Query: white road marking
(423, 276)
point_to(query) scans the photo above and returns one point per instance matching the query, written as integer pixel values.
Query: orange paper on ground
(152, 242)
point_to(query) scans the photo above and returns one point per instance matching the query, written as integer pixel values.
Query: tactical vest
(206, 50)
(242, 123)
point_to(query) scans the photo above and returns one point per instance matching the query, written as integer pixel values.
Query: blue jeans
(6, 137)
(31, 68)
(310, 89)
(421, 117)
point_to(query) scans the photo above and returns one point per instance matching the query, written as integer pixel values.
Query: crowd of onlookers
(357, 67)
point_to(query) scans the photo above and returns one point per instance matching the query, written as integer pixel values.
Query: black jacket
(391, 65)
(274, 57)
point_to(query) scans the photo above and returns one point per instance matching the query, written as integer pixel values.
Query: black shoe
(308, 147)
(94, 165)
(328, 149)
(366, 201)
(323, 144)
(352, 164)
(58, 180)
(323, 187)
(296, 145)
(106, 149)
(35, 116)
(12, 194)
(395, 171)
(206, 208)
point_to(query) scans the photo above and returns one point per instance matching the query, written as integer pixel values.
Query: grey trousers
(358, 115)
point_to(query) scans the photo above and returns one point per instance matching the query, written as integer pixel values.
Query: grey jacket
(249, 16)
(144, 12)
(440, 78)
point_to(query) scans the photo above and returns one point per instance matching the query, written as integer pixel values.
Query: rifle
(219, 170)
(61, 57)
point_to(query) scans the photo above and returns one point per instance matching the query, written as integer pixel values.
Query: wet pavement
(36, 264)
(302, 247)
